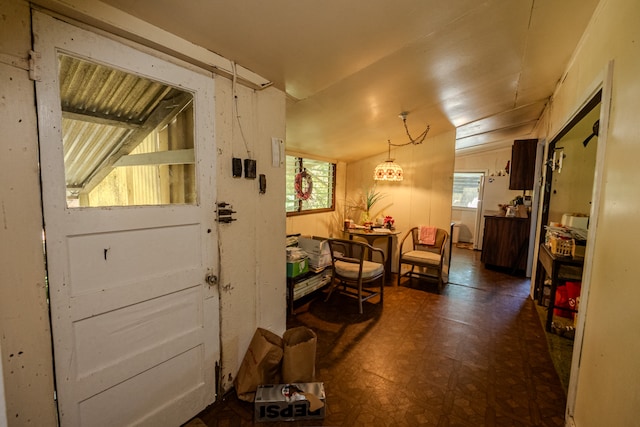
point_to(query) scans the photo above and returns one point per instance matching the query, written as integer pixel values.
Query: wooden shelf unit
(305, 284)
(558, 269)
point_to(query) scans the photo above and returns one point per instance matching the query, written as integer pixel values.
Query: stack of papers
(568, 232)
(382, 230)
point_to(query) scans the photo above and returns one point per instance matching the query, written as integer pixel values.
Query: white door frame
(605, 84)
(477, 242)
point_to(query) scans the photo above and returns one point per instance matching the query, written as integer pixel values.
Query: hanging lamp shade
(388, 171)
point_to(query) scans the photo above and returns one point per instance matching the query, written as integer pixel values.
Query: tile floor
(474, 355)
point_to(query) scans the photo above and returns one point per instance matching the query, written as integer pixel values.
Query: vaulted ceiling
(349, 67)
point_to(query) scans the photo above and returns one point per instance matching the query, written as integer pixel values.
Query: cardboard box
(313, 245)
(575, 221)
(319, 262)
(297, 267)
(283, 402)
(318, 250)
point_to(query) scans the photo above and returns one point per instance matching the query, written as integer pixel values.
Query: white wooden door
(135, 324)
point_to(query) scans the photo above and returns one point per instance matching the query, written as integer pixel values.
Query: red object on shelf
(566, 297)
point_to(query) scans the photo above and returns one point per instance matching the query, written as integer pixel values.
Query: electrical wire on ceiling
(236, 112)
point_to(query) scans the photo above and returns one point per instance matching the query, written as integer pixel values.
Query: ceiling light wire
(389, 170)
(415, 141)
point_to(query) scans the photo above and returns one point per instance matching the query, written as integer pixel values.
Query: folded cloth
(427, 235)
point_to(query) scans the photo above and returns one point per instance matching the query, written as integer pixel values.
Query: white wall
(465, 219)
(252, 249)
(608, 383)
(490, 161)
(24, 320)
(252, 254)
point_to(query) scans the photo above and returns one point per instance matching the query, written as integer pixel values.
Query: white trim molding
(111, 19)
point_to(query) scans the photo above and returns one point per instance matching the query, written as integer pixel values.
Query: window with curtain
(310, 185)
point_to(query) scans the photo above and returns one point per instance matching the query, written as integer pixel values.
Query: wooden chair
(353, 269)
(429, 257)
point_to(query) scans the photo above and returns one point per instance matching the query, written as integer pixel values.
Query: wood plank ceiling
(485, 68)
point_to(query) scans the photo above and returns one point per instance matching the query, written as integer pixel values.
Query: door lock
(211, 279)
(224, 213)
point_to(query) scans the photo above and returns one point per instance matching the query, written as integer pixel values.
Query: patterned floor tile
(473, 355)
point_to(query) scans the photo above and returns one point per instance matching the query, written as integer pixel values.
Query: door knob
(211, 279)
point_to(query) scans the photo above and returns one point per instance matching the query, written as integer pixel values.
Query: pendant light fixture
(389, 170)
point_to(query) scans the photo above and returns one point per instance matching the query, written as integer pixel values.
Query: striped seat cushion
(350, 270)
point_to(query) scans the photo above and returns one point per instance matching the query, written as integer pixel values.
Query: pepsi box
(289, 402)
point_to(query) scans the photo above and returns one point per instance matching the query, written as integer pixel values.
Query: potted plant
(370, 197)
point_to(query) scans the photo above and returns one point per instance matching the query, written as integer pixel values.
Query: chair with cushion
(427, 252)
(354, 269)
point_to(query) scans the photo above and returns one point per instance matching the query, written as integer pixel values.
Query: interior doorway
(466, 207)
(590, 123)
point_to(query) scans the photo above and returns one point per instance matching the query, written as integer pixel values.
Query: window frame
(299, 167)
(480, 176)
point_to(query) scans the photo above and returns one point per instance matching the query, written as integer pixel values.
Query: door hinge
(34, 65)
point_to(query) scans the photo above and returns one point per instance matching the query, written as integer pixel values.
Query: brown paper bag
(261, 364)
(299, 359)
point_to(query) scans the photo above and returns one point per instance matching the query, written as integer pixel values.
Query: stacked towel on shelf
(427, 235)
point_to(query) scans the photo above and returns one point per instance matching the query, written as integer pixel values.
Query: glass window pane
(466, 188)
(127, 140)
(320, 175)
(291, 202)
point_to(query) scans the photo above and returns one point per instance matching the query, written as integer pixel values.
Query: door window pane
(127, 140)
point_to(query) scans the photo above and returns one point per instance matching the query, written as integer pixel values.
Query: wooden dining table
(371, 236)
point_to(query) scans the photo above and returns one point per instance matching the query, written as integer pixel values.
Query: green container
(297, 267)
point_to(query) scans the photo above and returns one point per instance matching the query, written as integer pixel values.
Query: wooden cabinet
(505, 242)
(523, 164)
